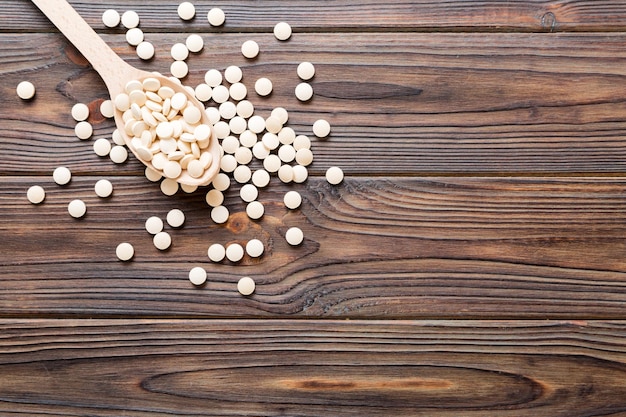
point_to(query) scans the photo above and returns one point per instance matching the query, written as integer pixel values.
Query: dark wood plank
(313, 368)
(434, 247)
(341, 15)
(398, 103)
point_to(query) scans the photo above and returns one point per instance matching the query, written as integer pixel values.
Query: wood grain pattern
(313, 368)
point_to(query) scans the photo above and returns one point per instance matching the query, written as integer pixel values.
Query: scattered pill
(281, 114)
(179, 52)
(238, 91)
(263, 86)
(203, 92)
(154, 225)
(282, 31)
(130, 19)
(250, 49)
(270, 141)
(83, 130)
(255, 210)
(287, 136)
(169, 186)
(246, 286)
(220, 94)
(272, 163)
(254, 248)
(321, 128)
(259, 151)
(186, 10)
(292, 200)
(162, 240)
(219, 214)
(286, 153)
(145, 50)
(175, 218)
(194, 43)
(233, 74)
(61, 175)
(214, 198)
(106, 109)
(179, 69)
(285, 173)
(213, 77)
(238, 125)
(256, 124)
(25, 90)
(248, 193)
(273, 125)
(125, 251)
(102, 147)
(221, 182)
(294, 236)
(305, 71)
(334, 175)
(77, 208)
(152, 174)
(228, 163)
(36, 194)
(197, 275)
(242, 174)
(300, 174)
(245, 109)
(304, 91)
(216, 17)
(234, 252)
(80, 112)
(260, 178)
(304, 157)
(118, 154)
(228, 110)
(188, 188)
(111, 18)
(243, 155)
(134, 36)
(302, 142)
(103, 188)
(216, 252)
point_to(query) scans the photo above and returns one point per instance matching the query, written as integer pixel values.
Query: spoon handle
(103, 59)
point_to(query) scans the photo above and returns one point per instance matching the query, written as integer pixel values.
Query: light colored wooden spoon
(116, 73)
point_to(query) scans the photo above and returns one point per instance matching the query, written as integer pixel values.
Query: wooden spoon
(116, 73)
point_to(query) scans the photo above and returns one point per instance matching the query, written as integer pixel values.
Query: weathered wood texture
(313, 368)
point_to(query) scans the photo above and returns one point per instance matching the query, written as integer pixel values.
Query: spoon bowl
(117, 73)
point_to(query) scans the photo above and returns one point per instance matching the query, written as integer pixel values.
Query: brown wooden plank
(313, 368)
(421, 247)
(339, 15)
(398, 103)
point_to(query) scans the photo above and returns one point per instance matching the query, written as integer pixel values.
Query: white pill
(228, 163)
(197, 275)
(254, 248)
(214, 198)
(162, 240)
(260, 151)
(203, 92)
(36, 194)
(243, 155)
(233, 74)
(248, 193)
(263, 86)
(188, 188)
(273, 124)
(179, 52)
(286, 153)
(230, 144)
(246, 286)
(80, 112)
(122, 102)
(61, 175)
(250, 49)
(213, 77)
(106, 109)
(169, 186)
(102, 147)
(242, 174)
(238, 125)
(83, 130)
(192, 115)
(270, 141)
(304, 91)
(179, 69)
(25, 90)
(216, 17)
(111, 18)
(247, 138)
(186, 10)
(321, 128)
(228, 110)
(285, 173)
(125, 251)
(255, 210)
(261, 178)
(216, 252)
(292, 200)
(134, 36)
(219, 214)
(194, 43)
(281, 114)
(304, 157)
(305, 71)
(77, 208)
(103, 188)
(245, 108)
(152, 174)
(334, 175)
(145, 50)
(256, 124)
(294, 236)
(272, 163)
(220, 94)
(238, 91)
(302, 142)
(221, 182)
(130, 19)
(286, 136)
(175, 218)
(300, 174)
(154, 225)
(118, 154)
(234, 252)
(282, 31)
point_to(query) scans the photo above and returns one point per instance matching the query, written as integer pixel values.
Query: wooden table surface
(472, 263)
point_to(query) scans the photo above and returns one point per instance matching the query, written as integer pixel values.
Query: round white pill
(228, 163)
(300, 174)
(255, 210)
(175, 218)
(154, 225)
(261, 178)
(250, 49)
(130, 19)
(111, 18)
(238, 91)
(162, 240)
(80, 112)
(203, 92)
(321, 128)
(247, 138)
(263, 86)
(61, 175)
(245, 108)
(214, 198)
(25, 90)
(248, 193)
(219, 214)
(254, 248)
(125, 251)
(234, 252)
(36, 194)
(186, 10)
(242, 174)
(197, 275)
(302, 142)
(213, 77)
(77, 208)
(270, 141)
(304, 157)
(238, 125)
(192, 115)
(118, 154)
(286, 153)
(292, 200)
(256, 124)
(106, 109)
(134, 36)
(230, 144)
(260, 151)
(145, 50)
(305, 71)
(272, 163)
(334, 175)
(304, 91)
(221, 182)
(243, 155)
(194, 43)
(282, 31)
(188, 188)
(220, 94)
(228, 110)
(179, 69)
(286, 136)
(103, 188)
(294, 236)
(281, 114)
(83, 130)
(285, 173)
(273, 125)
(216, 17)
(246, 286)
(102, 147)
(233, 74)
(179, 52)
(152, 174)
(216, 252)
(169, 186)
